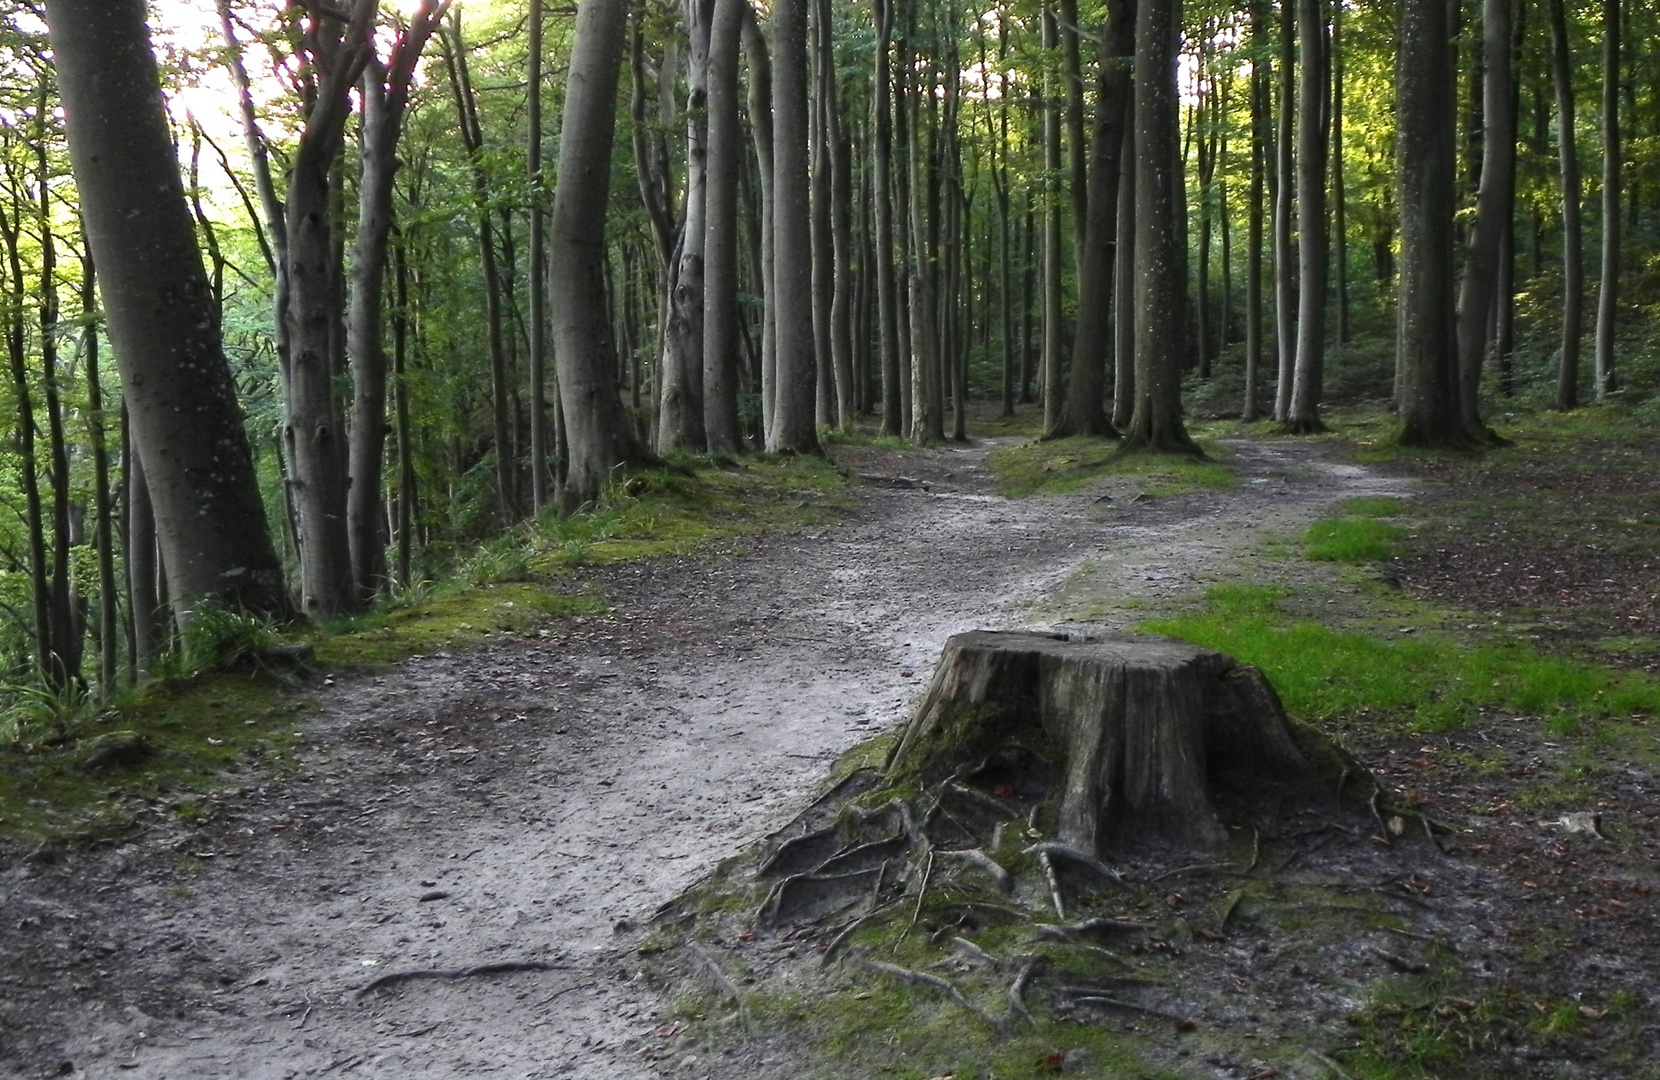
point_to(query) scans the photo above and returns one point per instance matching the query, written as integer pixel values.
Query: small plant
(220, 637)
(30, 709)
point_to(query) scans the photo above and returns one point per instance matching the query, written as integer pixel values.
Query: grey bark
(1608, 292)
(887, 285)
(793, 430)
(599, 433)
(1285, 259)
(720, 246)
(680, 421)
(181, 399)
(1309, 376)
(1573, 241)
(1053, 397)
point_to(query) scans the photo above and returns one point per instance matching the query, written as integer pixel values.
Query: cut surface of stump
(1141, 730)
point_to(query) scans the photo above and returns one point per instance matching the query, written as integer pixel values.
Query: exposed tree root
(972, 951)
(1054, 884)
(985, 862)
(724, 983)
(932, 982)
(861, 857)
(850, 929)
(989, 802)
(1125, 1006)
(811, 898)
(1090, 926)
(1017, 989)
(921, 895)
(803, 853)
(504, 968)
(1080, 858)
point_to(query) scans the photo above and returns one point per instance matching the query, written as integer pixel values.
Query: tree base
(1140, 734)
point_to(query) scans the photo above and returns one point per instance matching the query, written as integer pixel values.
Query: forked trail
(491, 828)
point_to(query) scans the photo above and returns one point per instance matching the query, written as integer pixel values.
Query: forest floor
(457, 873)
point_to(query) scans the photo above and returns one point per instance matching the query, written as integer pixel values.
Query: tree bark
(599, 433)
(1161, 273)
(1309, 375)
(186, 423)
(887, 285)
(1124, 279)
(680, 421)
(1261, 140)
(1608, 293)
(1428, 349)
(1478, 293)
(541, 477)
(793, 430)
(1053, 395)
(1285, 258)
(1573, 242)
(720, 246)
(1144, 729)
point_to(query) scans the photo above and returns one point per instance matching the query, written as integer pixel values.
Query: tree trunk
(1085, 408)
(1573, 243)
(1285, 258)
(1053, 394)
(179, 391)
(109, 622)
(793, 430)
(1608, 293)
(680, 419)
(887, 284)
(841, 234)
(720, 246)
(1304, 416)
(1124, 278)
(1144, 729)
(599, 433)
(1428, 349)
(541, 478)
(1478, 293)
(760, 128)
(822, 70)
(1161, 273)
(1340, 208)
(1077, 150)
(1261, 95)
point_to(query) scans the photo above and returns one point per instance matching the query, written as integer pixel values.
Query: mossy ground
(1060, 466)
(206, 728)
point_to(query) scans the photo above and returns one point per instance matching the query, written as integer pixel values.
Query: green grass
(1351, 539)
(1430, 682)
(1059, 466)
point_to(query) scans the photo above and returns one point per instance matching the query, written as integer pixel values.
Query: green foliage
(217, 636)
(1428, 682)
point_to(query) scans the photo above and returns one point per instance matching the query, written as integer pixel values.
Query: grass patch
(1059, 466)
(1351, 540)
(1432, 682)
(187, 736)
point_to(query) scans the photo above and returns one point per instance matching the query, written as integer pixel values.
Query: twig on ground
(1081, 858)
(505, 968)
(1256, 850)
(1429, 831)
(1017, 989)
(1054, 884)
(1090, 926)
(990, 802)
(1191, 869)
(1400, 963)
(933, 982)
(1125, 1006)
(724, 983)
(1383, 829)
(1342, 782)
(985, 862)
(921, 895)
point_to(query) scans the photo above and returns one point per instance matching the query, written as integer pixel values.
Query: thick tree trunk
(1427, 355)
(1143, 730)
(181, 398)
(887, 284)
(599, 432)
(1124, 278)
(1077, 148)
(1085, 407)
(541, 477)
(793, 430)
(1573, 242)
(680, 419)
(1161, 272)
(759, 60)
(720, 247)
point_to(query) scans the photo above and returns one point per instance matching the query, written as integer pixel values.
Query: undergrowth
(1059, 466)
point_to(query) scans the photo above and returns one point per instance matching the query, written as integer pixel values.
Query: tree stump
(1141, 731)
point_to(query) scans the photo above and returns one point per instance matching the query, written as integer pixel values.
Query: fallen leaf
(1263, 1073)
(1185, 1025)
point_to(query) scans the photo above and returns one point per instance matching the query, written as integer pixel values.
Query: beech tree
(180, 398)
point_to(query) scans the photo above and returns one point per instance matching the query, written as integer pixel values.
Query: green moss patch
(1428, 682)
(1059, 466)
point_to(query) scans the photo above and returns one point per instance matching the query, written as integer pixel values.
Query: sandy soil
(532, 801)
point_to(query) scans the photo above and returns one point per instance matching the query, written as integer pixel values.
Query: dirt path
(534, 801)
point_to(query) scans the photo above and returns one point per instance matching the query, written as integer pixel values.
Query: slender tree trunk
(1077, 149)
(793, 430)
(821, 67)
(1161, 276)
(1285, 257)
(759, 60)
(841, 233)
(1261, 110)
(1124, 279)
(887, 286)
(109, 621)
(600, 435)
(400, 412)
(1573, 243)
(181, 398)
(63, 668)
(1478, 293)
(1608, 293)
(680, 419)
(1053, 394)
(1304, 416)
(1428, 350)
(1340, 207)
(541, 477)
